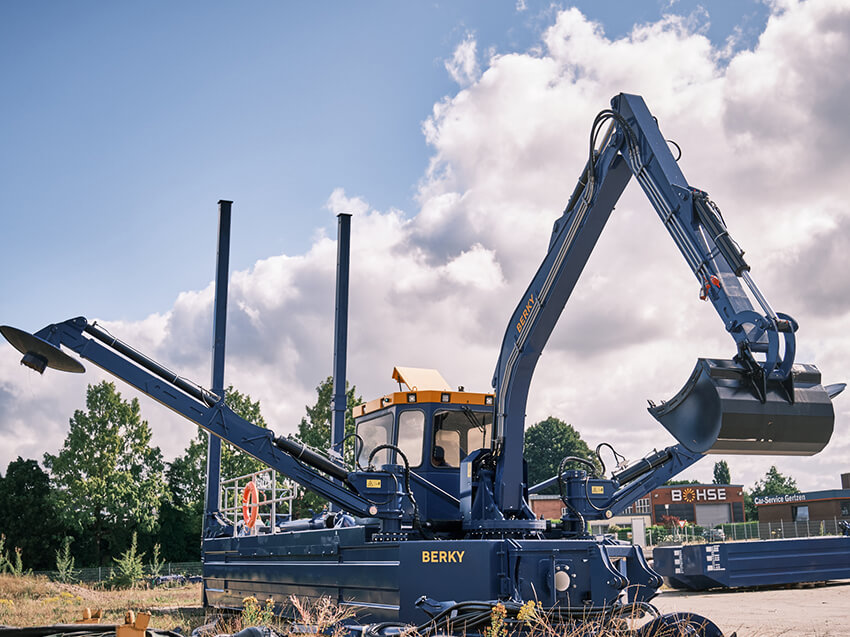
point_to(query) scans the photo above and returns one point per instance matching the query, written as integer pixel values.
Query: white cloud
(761, 130)
(339, 203)
(476, 267)
(463, 67)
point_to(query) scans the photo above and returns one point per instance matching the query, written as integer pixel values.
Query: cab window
(373, 433)
(456, 433)
(411, 430)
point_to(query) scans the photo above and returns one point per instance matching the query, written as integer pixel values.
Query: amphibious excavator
(431, 526)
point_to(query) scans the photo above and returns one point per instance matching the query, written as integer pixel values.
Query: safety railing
(259, 508)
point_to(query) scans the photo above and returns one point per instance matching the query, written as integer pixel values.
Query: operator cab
(434, 426)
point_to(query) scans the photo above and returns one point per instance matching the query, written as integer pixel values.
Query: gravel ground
(822, 611)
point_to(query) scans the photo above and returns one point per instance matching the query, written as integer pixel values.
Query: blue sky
(454, 132)
(124, 123)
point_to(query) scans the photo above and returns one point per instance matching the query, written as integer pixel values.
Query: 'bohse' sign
(694, 494)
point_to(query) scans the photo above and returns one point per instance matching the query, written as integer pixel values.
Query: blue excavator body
(432, 525)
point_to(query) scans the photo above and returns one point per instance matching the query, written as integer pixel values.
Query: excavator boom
(759, 402)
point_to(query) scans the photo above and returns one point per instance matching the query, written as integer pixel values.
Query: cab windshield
(456, 433)
(379, 431)
(373, 433)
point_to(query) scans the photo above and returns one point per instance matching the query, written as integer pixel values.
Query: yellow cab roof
(423, 386)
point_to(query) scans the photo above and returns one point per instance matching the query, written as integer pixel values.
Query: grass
(36, 601)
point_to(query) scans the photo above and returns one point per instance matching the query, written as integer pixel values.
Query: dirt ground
(822, 611)
(36, 601)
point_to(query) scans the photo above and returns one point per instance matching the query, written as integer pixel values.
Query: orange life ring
(250, 504)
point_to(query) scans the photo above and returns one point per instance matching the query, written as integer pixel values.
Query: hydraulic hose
(308, 456)
(417, 522)
(642, 466)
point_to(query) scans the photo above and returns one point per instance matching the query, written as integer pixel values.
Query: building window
(800, 513)
(680, 510)
(737, 511)
(642, 506)
(845, 509)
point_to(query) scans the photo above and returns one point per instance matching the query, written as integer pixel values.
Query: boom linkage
(201, 406)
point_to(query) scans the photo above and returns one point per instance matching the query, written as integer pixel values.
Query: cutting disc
(48, 353)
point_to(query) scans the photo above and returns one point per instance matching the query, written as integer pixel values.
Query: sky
(454, 132)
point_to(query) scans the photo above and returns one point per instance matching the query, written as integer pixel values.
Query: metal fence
(104, 573)
(807, 528)
(744, 531)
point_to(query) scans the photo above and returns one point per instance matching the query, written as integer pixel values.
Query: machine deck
(344, 565)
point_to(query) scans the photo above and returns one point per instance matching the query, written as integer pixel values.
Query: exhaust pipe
(343, 258)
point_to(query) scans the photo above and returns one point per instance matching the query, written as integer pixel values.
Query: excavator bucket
(719, 411)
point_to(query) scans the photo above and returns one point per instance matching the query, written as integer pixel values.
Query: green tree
(750, 510)
(773, 483)
(314, 430)
(107, 476)
(180, 531)
(721, 473)
(181, 512)
(4, 555)
(547, 443)
(31, 519)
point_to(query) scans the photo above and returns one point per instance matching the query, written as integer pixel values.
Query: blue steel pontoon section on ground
(761, 563)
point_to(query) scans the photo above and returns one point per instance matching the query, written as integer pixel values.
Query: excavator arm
(751, 404)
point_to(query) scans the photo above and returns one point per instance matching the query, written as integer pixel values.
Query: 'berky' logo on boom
(522, 319)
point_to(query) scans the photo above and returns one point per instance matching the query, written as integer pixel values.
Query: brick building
(704, 504)
(832, 504)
